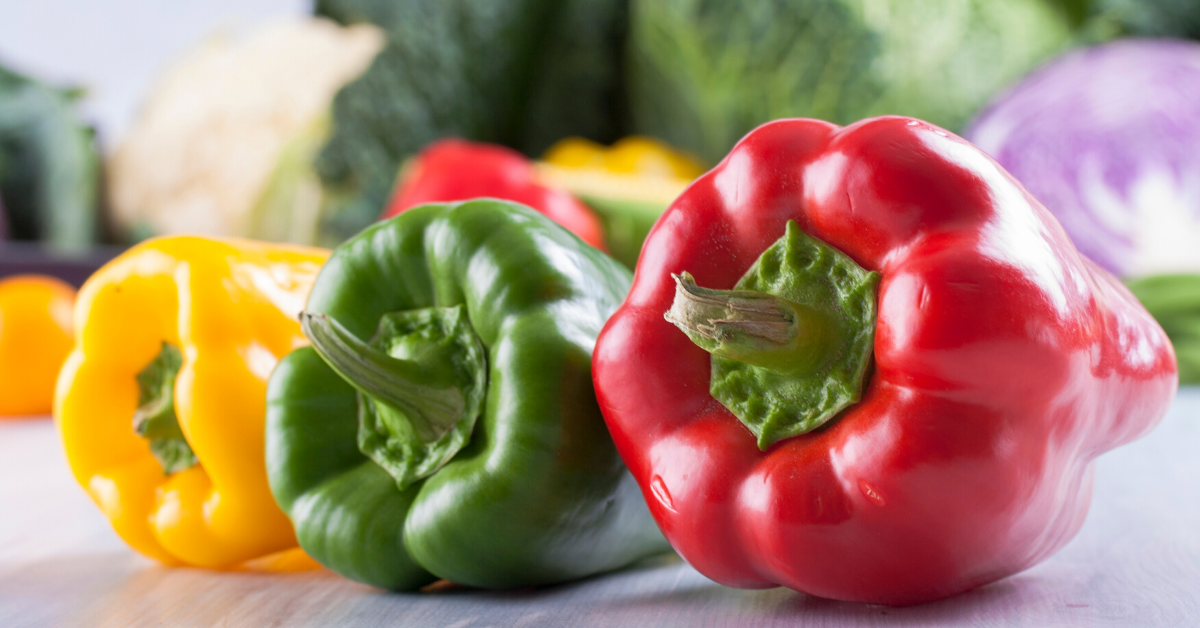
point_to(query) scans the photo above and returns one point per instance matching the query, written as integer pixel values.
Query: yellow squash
(226, 310)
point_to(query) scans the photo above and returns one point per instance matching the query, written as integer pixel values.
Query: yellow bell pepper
(629, 184)
(634, 168)
(161, 404)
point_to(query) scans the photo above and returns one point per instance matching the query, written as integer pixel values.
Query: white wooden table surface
(1135, 563)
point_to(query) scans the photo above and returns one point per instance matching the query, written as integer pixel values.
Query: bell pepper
(35, 336)
(628, 184)
(458, 170)
(161, 404)
(864, 363)
(443, 423)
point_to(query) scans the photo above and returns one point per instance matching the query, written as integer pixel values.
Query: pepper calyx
(791, 342)
(421, 382)
(155, 418)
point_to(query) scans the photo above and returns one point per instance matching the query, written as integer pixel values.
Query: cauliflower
(225, 142)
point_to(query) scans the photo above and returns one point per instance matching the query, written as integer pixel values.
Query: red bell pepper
(955, 449)
(456, 170)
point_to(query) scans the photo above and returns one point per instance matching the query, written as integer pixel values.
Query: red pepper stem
(748, 326)
(791, 343)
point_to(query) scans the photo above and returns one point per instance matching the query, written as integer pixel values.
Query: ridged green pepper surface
(422, 324)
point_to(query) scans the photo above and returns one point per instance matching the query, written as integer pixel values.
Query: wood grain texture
(1135, 563)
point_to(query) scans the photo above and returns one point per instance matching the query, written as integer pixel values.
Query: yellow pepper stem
(155, 418)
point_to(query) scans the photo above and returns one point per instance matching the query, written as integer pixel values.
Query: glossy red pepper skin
(457, 170)
(1004, 363)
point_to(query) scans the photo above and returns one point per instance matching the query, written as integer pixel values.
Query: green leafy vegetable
(1150, 18)
(523, 73)
(704, 72)
(48, 165)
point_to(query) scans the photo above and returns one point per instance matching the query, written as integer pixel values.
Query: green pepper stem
(431, 410)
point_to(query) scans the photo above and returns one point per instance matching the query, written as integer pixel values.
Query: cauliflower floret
(207, 144)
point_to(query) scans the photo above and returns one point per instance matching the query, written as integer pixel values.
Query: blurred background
(116, 50)
(292, 121)
(74, 75)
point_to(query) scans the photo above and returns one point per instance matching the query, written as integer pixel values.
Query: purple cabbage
(1108, 139)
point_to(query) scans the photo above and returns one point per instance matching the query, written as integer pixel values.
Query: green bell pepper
(444, 423)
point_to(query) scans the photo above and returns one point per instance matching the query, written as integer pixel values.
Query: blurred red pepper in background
(457, 170)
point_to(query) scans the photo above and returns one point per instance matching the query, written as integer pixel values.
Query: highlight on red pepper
(457, 170)
(866, 364)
